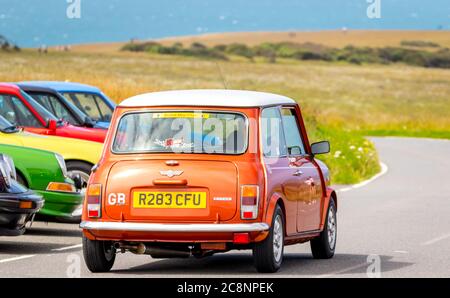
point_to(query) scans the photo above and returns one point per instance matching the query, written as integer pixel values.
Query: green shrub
(220, 47)
(439, 59)
(419, 44)
(304, 51)
(195, 50)
(240, 50)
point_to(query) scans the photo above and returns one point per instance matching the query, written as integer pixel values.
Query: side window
(13, 110)
(60, 110)
(272, 133)
(42, 100)
(86, 103)
(54, 106)
(104, 109)
(292, 133)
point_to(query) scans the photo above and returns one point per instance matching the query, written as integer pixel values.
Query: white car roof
(209, 98)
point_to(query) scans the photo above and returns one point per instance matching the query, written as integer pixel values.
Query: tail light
(94, 200)
(249, 201)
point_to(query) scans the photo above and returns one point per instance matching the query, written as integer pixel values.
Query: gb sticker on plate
(116, 199)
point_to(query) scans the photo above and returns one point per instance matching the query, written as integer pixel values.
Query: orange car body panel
(220, 175)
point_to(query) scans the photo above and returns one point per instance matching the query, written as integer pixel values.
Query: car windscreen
(61, 110)
(6, 126)
(91, 104)
(181, 132)
(3, 123)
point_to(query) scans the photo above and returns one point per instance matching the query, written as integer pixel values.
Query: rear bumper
(175, 228)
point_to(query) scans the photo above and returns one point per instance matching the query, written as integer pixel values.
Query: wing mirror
(52, 125)
(7, 171)
(320, 147)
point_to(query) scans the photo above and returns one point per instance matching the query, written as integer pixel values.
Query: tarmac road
(399, 223)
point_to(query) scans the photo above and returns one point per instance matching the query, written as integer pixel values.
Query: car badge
(171, 173)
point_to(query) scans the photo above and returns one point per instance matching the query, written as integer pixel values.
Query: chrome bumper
(151, 227)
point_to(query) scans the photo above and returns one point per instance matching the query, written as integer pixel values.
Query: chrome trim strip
(154, 227)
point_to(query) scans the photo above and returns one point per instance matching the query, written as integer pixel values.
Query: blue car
(87, 99)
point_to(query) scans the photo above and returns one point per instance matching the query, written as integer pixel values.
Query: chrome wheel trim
(278, 239)
(331, 228)
(84, 178)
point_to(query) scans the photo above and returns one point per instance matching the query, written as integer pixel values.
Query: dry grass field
(342, 102)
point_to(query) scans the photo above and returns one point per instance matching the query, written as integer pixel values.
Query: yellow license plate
(156, 199)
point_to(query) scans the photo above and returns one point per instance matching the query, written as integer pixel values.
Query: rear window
(181, 132)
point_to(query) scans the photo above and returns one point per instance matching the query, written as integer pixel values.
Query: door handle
(298, 173)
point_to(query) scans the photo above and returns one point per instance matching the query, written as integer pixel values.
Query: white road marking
(344, 189)
(437, 239)
(384, 170)
(16, 258)
(348, 269)
(67, 247)
(401, 251)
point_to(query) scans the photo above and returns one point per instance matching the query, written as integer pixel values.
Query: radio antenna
(222, 77)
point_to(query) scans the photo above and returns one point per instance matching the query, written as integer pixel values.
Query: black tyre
(323, 247)
(79, 168)
(268, 254)
(99, 256)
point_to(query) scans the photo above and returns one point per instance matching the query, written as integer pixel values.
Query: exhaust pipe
(154, 252)
(137, 249)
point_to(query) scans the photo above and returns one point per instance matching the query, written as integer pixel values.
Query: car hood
(70, 149)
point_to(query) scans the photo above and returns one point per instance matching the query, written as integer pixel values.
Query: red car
(22, 110)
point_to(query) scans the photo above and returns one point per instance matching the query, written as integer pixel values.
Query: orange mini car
(197, 172)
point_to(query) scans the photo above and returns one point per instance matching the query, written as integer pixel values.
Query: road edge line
(384, 170)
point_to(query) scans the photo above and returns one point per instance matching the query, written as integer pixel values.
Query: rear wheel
(99, 256)
(268, 254)
(323, 246)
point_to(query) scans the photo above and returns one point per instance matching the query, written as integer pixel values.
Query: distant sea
(31, 23)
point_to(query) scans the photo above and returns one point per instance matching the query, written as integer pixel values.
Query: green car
(45, 173)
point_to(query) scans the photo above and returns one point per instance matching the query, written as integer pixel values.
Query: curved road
(396, 226)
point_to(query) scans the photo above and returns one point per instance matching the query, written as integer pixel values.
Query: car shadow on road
(294, 264)
(27, 248)
(40, 240)
(53, 232)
